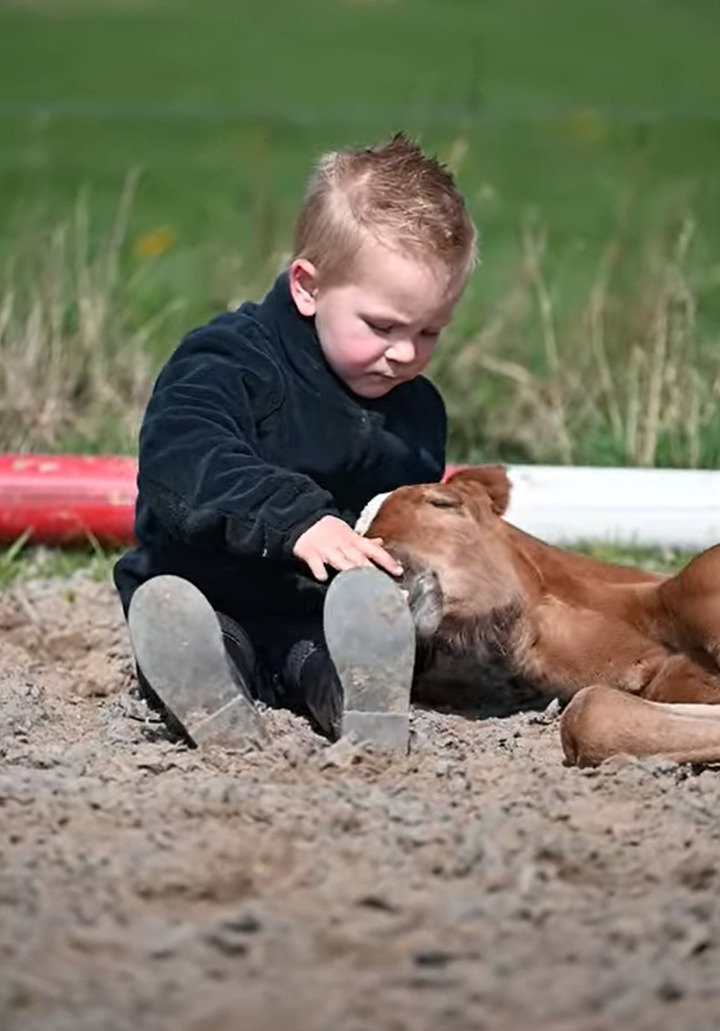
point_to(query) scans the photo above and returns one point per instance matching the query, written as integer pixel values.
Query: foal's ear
(493, 478)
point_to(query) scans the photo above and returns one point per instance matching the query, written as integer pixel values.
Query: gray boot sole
(179, 647)
(370, 635)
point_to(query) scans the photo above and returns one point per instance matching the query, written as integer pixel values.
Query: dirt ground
(476, 884)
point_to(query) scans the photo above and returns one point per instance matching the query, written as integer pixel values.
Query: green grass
(223, 107)
(593, 123)
(560, 101)
(653, 560)
(18, 563)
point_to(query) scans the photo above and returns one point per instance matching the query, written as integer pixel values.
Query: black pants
(270, 656)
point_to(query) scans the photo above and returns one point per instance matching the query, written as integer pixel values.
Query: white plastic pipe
(676, 508)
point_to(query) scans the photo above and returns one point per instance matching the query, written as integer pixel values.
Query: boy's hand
(331, 542)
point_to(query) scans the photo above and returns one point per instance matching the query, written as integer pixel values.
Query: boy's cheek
(424, 354)
(363, 355)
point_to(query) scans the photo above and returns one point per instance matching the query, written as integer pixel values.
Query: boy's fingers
(348, 559)
(388, 563)
(362, 551)
(317, 567)
(358, 558)
(383, 558)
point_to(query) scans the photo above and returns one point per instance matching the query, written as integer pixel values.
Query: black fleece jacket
(248, 439)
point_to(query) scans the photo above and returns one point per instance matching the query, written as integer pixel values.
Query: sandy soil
(477, 884)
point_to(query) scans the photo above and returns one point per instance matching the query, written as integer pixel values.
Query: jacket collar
(296, 334)
(301, 348)
(299, 343)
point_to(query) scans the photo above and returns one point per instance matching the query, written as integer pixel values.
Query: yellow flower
(154, 243)
(585, 126)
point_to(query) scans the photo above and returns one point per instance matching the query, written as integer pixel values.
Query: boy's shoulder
(233, 334)
(247, 334)
(230, 347)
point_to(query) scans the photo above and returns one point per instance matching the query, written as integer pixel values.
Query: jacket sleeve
(199, 467)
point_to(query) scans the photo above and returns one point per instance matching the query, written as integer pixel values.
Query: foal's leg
(690, 603)
(600, 722)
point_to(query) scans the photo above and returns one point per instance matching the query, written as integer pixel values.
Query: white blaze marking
(369, 512)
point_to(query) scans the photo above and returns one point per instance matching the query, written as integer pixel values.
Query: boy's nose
(402, 351)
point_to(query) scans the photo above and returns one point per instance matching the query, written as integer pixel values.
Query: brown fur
(635, 654)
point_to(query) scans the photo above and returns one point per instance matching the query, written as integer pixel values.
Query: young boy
(267, 432)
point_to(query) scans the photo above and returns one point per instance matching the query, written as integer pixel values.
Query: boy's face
(380, 329)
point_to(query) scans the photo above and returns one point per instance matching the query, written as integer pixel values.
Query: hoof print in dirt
(232, 935)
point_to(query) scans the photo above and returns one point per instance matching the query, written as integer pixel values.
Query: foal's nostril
(425, 599)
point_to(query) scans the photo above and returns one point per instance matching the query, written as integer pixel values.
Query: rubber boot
(313, 687)
(179, 649)
(370, 638)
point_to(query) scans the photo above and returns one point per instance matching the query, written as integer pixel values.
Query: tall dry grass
(625, 372)
(74, 360)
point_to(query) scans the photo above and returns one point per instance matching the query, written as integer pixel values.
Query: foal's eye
(438, 502)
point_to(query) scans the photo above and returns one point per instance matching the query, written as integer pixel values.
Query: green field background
(590, 121)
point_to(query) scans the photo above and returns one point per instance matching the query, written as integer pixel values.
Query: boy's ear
(493, 478)
(303, 278)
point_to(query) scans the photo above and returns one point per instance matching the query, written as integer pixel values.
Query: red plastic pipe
(69, 499)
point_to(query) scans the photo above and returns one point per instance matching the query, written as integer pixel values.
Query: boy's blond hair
(392, 192)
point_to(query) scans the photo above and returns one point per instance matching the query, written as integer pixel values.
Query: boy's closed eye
(381, 329)
(385, 330)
